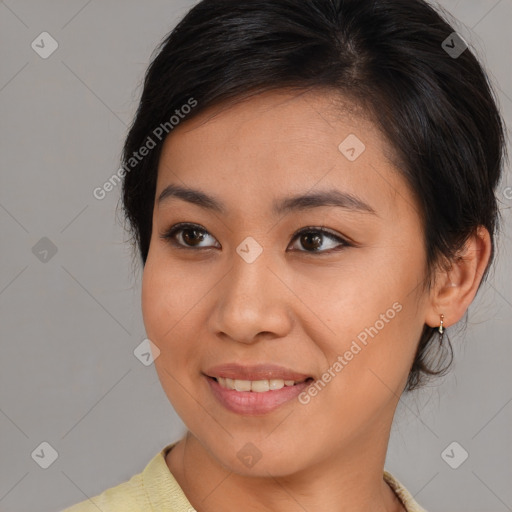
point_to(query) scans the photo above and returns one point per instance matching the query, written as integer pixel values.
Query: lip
(255, 372)
(252, 403)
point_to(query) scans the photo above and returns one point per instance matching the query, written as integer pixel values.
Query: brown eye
(188, 236)
(192, 236)
(313, 240)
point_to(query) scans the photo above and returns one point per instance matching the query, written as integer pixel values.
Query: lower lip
(251, 402)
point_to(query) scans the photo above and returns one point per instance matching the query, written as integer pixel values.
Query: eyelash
(169, 236)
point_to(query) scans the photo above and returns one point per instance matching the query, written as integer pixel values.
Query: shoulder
(410, 504)
(155, 488)
(126, 497)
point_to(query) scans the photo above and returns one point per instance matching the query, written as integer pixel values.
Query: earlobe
(456, 287)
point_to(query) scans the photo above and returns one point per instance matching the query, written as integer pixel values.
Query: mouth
(255, 397)
(255, 389)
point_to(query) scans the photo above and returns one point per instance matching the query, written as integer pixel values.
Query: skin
(291, 306)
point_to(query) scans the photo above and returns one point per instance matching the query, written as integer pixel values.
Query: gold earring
(441, 328)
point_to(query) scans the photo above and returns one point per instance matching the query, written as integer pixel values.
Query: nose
(252, 302)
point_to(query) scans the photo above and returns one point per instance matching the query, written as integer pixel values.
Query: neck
(350, 479)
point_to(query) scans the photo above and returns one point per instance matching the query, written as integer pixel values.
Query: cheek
(368, 361)
(153, 298)
(379, 334)
(374, 320)
(169, 292)
(175, 309)
(168, 298)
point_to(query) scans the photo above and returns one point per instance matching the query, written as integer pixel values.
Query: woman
(310, 186)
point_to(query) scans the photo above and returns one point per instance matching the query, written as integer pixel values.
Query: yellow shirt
(155, 489)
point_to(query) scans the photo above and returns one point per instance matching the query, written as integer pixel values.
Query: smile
(257, 386)
(250, 398)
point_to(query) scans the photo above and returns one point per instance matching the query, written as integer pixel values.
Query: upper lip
(255, 372)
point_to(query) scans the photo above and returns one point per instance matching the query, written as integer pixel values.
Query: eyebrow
(306, 201)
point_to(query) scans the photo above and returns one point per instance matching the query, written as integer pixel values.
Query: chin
(250, 461)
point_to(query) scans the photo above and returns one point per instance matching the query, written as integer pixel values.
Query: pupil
(197, 236)
(311, 239)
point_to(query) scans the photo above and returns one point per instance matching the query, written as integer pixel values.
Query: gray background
(69, 325)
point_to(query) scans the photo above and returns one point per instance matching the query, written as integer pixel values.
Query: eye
(187, 236)
(191, 236)
(313, 239)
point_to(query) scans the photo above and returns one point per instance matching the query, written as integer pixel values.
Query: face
(262, 285)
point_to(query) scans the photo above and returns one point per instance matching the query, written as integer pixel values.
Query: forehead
(288, 115)
(284, 141)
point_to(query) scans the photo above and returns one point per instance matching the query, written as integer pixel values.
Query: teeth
(258, 386)
(242, 385)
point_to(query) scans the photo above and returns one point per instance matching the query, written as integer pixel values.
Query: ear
(455, 288)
